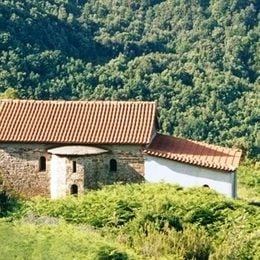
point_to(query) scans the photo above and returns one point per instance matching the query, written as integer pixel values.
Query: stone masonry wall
(96, 168)
(19, 164)
(77, 177)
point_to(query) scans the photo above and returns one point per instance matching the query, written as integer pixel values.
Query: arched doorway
(74, 190)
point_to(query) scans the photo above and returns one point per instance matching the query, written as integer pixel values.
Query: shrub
(109, 253)
(236, 244)
(8, 204)
(192, 243)
(205, 216)
(124, 212)
(159, 220)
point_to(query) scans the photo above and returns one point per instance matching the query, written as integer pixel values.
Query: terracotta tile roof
(77, 122)
(193, 152)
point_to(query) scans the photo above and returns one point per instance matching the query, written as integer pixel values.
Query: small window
(113, 165)
(42, 164)
(74, 166)
(74, 190)
(206, 186)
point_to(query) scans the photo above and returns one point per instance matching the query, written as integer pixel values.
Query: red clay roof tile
(193, 152)
(77, 122)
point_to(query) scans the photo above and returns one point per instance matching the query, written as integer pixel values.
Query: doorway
(74, 190)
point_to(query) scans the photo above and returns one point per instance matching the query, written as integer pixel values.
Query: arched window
(205, 186)
(42, 164)
(74, 166)
(74, 189)
(113, 165)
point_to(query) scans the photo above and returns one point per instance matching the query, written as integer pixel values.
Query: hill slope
(55, 241)
(198, 59)
(154, 221)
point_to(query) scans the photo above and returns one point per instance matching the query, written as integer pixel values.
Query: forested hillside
(199, 59)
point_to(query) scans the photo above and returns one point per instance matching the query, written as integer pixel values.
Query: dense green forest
(198, 58)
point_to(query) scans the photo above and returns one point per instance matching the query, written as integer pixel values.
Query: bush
(108, 253)
(205, 216)
(124, 212)
(249, 181)
(8, 204)
(159, 220)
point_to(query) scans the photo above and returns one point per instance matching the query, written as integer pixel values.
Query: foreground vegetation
(53, 239)
(249, 181)
(161, 220)
(198, 59)
(139, 221)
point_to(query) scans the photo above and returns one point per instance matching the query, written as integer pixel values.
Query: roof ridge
(210, 145)
(194, 152)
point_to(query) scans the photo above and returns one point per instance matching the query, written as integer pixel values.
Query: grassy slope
(249, 181)
(153, 221)
(163, 220)
(58, 241)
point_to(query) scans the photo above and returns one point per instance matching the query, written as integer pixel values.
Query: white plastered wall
(58, 177)
(164, 170)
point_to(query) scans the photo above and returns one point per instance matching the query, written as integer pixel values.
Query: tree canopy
(198, 59)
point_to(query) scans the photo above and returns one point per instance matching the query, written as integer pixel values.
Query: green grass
(163, 221)
(60, 241)
(139, 221)
(249, 181)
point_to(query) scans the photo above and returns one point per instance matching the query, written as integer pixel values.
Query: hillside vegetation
(139, 221)
(59, 241)
(198, 59)
(248, 175)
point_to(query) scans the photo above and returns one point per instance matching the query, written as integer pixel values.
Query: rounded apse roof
(76, 150)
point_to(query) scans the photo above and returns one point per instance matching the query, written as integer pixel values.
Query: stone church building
(57, 148)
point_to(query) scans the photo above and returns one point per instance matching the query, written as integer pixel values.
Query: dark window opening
(42, 164)
(74, 166)
(74, 189)
(113, 165)
(206, 186)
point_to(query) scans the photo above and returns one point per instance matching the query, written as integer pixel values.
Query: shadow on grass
(8, 204)
(254, 203)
